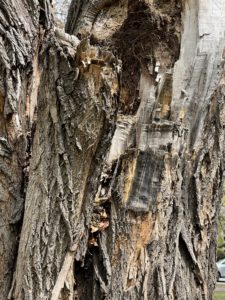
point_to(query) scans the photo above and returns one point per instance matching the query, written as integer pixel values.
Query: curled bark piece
(83, 15)
(72, 39)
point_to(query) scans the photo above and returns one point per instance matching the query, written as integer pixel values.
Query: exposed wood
(161, 240)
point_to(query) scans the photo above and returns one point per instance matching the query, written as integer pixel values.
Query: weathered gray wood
(82, 14)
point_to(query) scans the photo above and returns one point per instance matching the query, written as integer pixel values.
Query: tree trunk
(18, 44)
(113, 134)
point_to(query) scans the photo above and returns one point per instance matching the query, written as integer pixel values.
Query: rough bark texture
(77, 105)
(18, 41)
(136, 220)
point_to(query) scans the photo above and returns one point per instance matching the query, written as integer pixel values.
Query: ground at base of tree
(219, 296)
(219, 293)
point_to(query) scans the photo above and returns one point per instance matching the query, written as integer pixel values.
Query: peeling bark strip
(61, 279)
(137, 221)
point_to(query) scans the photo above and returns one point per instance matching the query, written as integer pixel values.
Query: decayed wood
(161, 240)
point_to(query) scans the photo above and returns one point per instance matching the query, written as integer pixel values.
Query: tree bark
(111, 212)
(18, 43)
